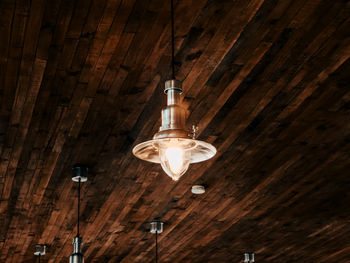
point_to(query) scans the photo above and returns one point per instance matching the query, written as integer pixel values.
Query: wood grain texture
(266, 81)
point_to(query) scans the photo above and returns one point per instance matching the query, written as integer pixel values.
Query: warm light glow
(174, 154)
(175, 158)
(173, 146)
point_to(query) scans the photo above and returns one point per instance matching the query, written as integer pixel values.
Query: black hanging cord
(39, 257)
(172, 40)
(78, 207)
(156, 246)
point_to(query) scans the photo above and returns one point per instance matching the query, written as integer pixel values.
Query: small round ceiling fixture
(198, 189)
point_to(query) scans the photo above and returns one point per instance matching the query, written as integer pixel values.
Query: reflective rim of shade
(149, 150)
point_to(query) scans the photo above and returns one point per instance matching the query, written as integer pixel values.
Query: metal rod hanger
(79, 186)
(79, 176)
(156, 246)
(172, 40)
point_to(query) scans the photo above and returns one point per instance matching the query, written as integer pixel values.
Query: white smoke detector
(198, 189)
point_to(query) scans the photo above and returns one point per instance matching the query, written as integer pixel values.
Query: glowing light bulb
(174, 159)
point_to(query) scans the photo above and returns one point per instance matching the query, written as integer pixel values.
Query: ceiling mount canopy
(249, 257)
(40, 250)
(173, 146)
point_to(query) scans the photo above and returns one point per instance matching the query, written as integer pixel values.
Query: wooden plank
(267, 82)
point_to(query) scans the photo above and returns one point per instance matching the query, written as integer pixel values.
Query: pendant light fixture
(40, 250)
(156, 228)
(80, 176)
(172, 146)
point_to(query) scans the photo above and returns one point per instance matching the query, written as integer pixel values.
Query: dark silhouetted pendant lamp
(156, 228)
(80, 176)
(173, 146)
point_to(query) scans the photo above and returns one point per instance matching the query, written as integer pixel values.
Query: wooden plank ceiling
(267, 82)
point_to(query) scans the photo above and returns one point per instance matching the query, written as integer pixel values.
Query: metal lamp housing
(77, 256)
(249, 257)
(156, 227)
(173, 135)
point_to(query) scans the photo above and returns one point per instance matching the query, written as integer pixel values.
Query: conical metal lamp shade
(77, 256)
